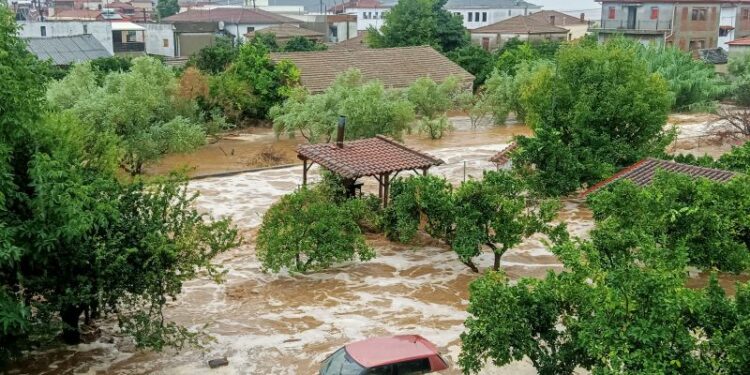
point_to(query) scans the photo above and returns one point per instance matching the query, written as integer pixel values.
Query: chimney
(583, 17)
(340, 132)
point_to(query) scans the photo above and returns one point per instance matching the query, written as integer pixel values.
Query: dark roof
(366, 157)
(561, 19)
(490, 4)
(503, 156)
(230, 15)
(714, 55)
(395, 67)
(286, 31)
(642, 173)
(520, 25)
(65, 50)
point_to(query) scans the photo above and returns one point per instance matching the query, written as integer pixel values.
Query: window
(419, 366)
(699, 14)
(471, 17)
(484, 16)
(551, 20)
(250, 29)
(746, 13)
(85, 29)
(697, 44)
(723, 31)
(508, 12)
(43, 30)
(376, 15)
(130, 37)
(612, 13)
(654, 13)
(381, 370)
(476, 16)
(165, 42)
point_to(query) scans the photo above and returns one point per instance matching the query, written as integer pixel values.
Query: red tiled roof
(503, 156)
(642, 173)
(561, 19)
(740, 42)
(520, 25)
(81, 14)
(366, 157)
(286, 31)
(230, 15)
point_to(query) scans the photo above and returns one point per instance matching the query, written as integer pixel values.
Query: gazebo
(380, 157)
(502, 158)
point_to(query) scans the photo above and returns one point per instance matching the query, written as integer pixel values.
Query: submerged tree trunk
(70, 315)
(471, 265)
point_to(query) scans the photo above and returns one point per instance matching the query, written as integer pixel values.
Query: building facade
(480, 13)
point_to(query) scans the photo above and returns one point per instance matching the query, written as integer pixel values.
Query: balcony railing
(129, 47)
(638, 25)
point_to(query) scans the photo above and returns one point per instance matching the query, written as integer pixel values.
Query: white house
(369, 13)
(101, 30)
(232, 20)
(479, 13)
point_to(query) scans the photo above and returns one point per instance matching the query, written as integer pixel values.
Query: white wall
(728, 18)
(159, 39)
(493, 15)
(367, 17)
(239, 30)
(101, 30)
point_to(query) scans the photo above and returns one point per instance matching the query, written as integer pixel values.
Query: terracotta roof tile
(642, 173)
(561, 19)
(503, 156)
(366, 157)
(286, 31)
(230, 15)
(740, 42)
(395, 67)
(520, 25)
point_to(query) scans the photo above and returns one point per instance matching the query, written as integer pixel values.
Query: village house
(395, 67)
(687, 25)
(369, 13)
(480, 13)
(577, 27)
(524, 28)
(235, 22)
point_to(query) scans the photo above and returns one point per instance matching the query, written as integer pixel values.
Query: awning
(126, 26)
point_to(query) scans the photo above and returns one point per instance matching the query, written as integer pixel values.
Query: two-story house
(479, 13)
(688, 25)
(369, 13)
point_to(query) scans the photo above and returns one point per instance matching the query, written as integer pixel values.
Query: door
(486, 43)
(631, 17)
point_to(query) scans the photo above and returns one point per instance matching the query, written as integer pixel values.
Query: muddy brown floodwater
(287, 324)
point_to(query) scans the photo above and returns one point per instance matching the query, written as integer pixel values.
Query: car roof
(387, 350)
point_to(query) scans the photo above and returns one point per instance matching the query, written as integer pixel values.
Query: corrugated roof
(503, 156)
(285, 31)
(490, 4)
(642, 173)
(65, 50)
(395, 67)
(366, 157)
(561, 19)
(230, 15)
(520, 25)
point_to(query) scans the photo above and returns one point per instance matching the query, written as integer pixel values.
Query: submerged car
(396, 355)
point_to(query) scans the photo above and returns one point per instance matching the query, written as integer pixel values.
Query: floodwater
(287, 324)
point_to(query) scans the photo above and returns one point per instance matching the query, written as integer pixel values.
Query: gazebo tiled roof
(366, 157)
(503, 156)
(642, 173)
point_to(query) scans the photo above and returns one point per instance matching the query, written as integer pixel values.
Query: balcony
(128, 47)
(643, 27)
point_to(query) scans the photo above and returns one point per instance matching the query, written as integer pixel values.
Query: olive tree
(432, 100)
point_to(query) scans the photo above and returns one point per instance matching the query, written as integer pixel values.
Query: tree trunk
(70, 315)
(471, 265)
(496, 266)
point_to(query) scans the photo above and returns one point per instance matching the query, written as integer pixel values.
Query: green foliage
(738, 159)
(305, 231)
(253, 84)
(515, 53)
(739, 76)
(113, 64)
(583, 133)
(475, 60)
(496, 212)
(215, 58)
(302, 44)
(370, 109)
(708, 219)
(166, 8)
(80, 82)
(419, 23)
(432, 100)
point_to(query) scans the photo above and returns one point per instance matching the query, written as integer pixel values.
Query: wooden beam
(386, 188)
(304, 172)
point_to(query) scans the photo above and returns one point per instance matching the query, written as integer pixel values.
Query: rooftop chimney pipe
(340, 132)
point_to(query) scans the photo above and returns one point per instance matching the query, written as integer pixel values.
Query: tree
(432, 100)
(514, 53)
(74, 237)
(419, 23)
(612, 311)
(582, 134)
(302, 44)
(253, 84)
(739, 76)
(139, 106)
(166, 8)
(475, 60)
(495, 212)
(307, 231)
(215, 58)
(704, 217)
(370, 109)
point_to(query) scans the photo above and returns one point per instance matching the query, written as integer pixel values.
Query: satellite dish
(221, 25)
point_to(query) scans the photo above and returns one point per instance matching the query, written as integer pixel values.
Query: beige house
(494, 36)
(577, 28)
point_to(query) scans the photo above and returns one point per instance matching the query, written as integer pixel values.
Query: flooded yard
(287, 324)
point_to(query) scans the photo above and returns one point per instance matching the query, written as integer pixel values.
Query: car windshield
(340, 363)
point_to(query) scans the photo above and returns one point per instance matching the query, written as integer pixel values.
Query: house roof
(286, 31)
(490, 4)
(520, 25)
(354, 4)
(65, 50)
(230, 15)
(386, 350)
(79, 14)
(561, 19)
(642, 173)
(358, 42)
(504, 155)
(196, 27)
(366, 157)
(395, 67)
(740, 42)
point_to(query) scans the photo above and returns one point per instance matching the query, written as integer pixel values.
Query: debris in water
(218, 362)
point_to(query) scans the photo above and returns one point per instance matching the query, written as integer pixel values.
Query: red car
(397, 355)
